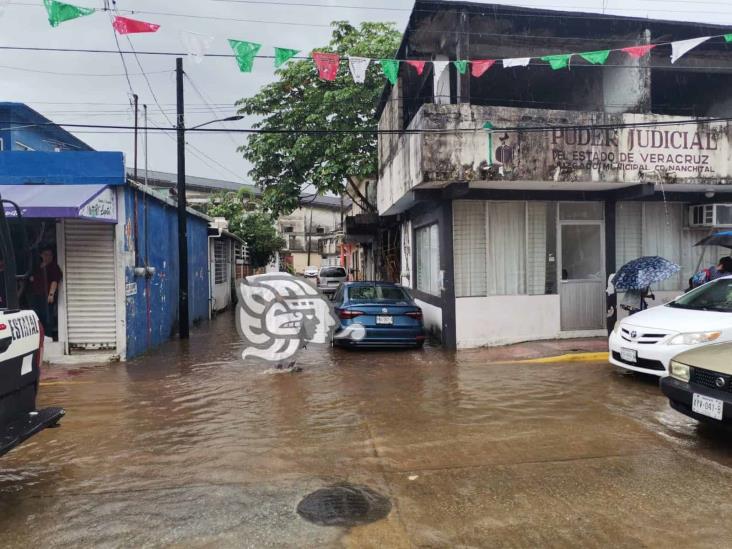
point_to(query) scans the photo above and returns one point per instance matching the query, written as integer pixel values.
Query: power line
(375, 131)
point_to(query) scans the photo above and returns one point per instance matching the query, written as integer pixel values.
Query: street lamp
(227, 119)
(183, 317)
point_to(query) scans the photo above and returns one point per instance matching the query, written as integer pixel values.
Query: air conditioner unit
(710, 215)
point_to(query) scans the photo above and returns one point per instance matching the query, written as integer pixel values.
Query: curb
(571, 357)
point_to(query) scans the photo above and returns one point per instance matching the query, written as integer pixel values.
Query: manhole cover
(344, 505)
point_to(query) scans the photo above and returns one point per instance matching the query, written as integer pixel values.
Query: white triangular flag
(516, 62)
(358, 66)
(439, 67)
(682, 47)
(196, 44)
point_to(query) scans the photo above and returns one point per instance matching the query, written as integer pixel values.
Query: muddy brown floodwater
(189, 446)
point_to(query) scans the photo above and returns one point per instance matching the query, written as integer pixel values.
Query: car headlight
(680, 371)
(694, 338)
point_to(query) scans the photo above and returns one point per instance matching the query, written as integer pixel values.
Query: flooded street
(189, 446)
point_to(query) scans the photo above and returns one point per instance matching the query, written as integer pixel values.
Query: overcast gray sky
(79, 94)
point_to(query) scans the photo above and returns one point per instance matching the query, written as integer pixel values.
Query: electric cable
(376, 131)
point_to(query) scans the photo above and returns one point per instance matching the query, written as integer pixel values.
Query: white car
(647, 341)
(310, 272)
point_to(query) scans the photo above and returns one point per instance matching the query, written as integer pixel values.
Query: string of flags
(328, 64)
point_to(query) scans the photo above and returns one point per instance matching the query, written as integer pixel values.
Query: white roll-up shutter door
(89, 285)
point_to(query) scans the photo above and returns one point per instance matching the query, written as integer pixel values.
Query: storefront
(77, 223)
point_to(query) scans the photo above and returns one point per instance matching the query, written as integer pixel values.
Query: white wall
(432, 317)
(501, 320)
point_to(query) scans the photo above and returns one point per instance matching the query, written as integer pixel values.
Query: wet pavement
(190, 447)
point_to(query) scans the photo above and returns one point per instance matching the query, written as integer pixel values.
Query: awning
(93, 202)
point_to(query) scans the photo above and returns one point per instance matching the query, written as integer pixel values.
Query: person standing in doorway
(44, 286)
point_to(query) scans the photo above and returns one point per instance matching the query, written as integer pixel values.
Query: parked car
(329, 278)
(647, 341)
(700, 383)
(311, 272)
(381, 313)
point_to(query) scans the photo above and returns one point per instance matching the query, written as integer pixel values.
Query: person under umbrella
(637, 276)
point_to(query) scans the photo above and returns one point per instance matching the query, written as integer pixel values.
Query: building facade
(114, 240)
(518, 193)
(319, 217)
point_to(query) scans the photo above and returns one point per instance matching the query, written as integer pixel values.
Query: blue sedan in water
(377, 314)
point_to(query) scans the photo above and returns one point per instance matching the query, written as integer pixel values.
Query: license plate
(707, 406)
(629, 355)
(384, 320)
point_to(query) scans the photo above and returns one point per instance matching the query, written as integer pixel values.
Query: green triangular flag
(559, 61)
(283, 55)
(58, 12)
(462, 66)
(245, 53)
(728, 37)
(596, 57)
(390, 68)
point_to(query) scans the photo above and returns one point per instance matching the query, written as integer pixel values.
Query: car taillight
(42, 333)
(343, 314)
(317, 280)
(417, 315)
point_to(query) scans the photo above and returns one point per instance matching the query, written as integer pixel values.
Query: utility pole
(183, 325)
(136, 112)
(310, 235)
(144, 108)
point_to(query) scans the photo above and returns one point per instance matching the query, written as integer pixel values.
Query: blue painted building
(115, 240)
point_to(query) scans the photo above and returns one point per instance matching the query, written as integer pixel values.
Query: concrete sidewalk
(586, 348)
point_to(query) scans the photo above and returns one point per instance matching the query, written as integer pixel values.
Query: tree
(249, 222)
(299, 100)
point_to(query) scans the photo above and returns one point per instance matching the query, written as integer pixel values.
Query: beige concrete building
(519, 192)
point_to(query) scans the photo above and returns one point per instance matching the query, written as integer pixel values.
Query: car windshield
(715, 296)
(377, 293)
(333, 271)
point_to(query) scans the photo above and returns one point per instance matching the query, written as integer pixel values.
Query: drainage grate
(344, 505)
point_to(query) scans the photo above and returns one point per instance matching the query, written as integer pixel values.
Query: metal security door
(582, 275)
(89, 285)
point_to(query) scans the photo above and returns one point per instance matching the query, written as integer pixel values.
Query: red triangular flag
(327, 64)
(419, 65)
(125, 25)
(479, 67)
(636, 52)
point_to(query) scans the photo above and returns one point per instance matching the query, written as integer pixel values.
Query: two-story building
(318, 217)
(520, 190)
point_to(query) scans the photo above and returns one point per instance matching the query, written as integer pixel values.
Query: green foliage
(299, 100)
(249, 222)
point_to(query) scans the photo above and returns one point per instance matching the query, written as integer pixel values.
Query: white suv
(647, 341)
(330, 278)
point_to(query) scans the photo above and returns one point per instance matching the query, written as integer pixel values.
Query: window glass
(506, 222)
(505, 248)
(377, 293)
(427, 250)
(715, 296)
(582, 252)
(332, 272)
(220, 262)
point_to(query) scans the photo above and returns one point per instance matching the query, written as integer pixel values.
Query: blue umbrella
(644, 271)
(718, 239)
